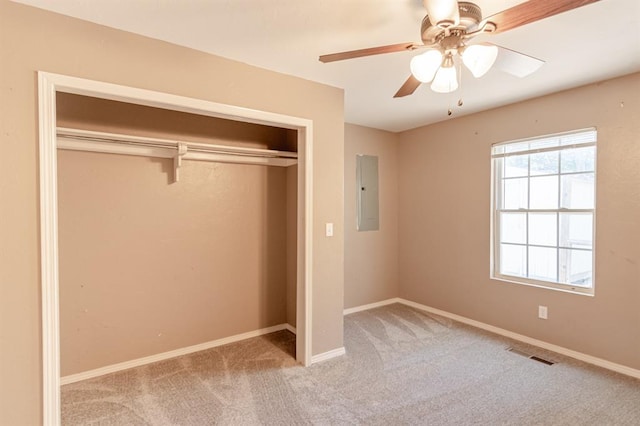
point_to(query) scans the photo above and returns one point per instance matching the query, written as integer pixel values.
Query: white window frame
(497, 192)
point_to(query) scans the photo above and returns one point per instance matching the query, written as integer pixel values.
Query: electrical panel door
(367, 192)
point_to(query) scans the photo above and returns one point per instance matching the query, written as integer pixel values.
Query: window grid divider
(543, 246)
(558, 217)
(526, 222)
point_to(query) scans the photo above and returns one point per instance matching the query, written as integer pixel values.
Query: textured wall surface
(371, 257)
(148, 265)
(445, 188)
(33, 40)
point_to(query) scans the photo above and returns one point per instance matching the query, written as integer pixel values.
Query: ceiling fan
(446, 31)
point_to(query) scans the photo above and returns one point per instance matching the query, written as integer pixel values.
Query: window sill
(581, 291)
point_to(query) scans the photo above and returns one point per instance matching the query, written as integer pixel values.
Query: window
(544, 211)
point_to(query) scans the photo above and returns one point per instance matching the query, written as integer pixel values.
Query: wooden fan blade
(368, 52)
(531, 11)
(408, 87)
(516, 63)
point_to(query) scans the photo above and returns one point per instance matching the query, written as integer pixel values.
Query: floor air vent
(530, 356)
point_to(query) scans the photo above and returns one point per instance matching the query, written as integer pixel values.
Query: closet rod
(113, 143)
(143, 141)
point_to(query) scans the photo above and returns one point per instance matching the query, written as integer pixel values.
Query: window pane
(582, 137)
(577, 191)
(543, 263)
(544, 192)
(577, 267)
(544, 142)
(516, 165)
(578, 160)
(544, 163)
(513, 260)
(515, 194)
(516, 147)
(543, 229)
(513, 228)
(576, 230)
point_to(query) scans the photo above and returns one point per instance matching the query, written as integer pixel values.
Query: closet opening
(169, 225)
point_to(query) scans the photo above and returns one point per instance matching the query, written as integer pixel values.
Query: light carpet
(402, 367)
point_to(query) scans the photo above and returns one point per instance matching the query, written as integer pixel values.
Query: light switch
(329, 230)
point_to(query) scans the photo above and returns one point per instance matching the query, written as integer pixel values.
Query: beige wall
(371, 257)
(32, 40)
(111, 116)
(445, 214)
(148, 265)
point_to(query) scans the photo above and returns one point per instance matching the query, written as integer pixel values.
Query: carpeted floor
(402, 367)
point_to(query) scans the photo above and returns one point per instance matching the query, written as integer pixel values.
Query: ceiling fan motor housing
(470, 17)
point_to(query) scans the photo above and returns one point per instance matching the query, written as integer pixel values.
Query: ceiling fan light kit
(446, 78)
(443, 14)
(446, 31)
(424, 66)
(445, 81)
(479, 58)
(433, 65)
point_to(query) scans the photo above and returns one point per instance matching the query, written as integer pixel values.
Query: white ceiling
(593, 43)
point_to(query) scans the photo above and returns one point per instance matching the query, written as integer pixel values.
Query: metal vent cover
(530, 356)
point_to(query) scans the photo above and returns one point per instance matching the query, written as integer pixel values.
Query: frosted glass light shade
(445, 80)
(424, 66)
(442, 13)
(479, 58)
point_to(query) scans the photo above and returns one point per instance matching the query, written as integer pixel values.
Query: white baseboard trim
(371, 306)
(618, 368)
(623, 369)
(328, 355)
(72, 378)
(289, 327)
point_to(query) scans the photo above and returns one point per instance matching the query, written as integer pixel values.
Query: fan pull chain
(460, 102)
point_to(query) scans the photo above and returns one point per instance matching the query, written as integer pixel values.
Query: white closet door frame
(48, 85)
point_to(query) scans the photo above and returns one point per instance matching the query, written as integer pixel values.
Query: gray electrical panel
(367, 192)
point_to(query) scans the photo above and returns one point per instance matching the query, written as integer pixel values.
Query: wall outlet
(542, 312)
(329, 230)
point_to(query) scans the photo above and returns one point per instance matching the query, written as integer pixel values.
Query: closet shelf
(114, 143)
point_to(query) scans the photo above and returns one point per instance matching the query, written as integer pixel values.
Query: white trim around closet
(48, 85)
